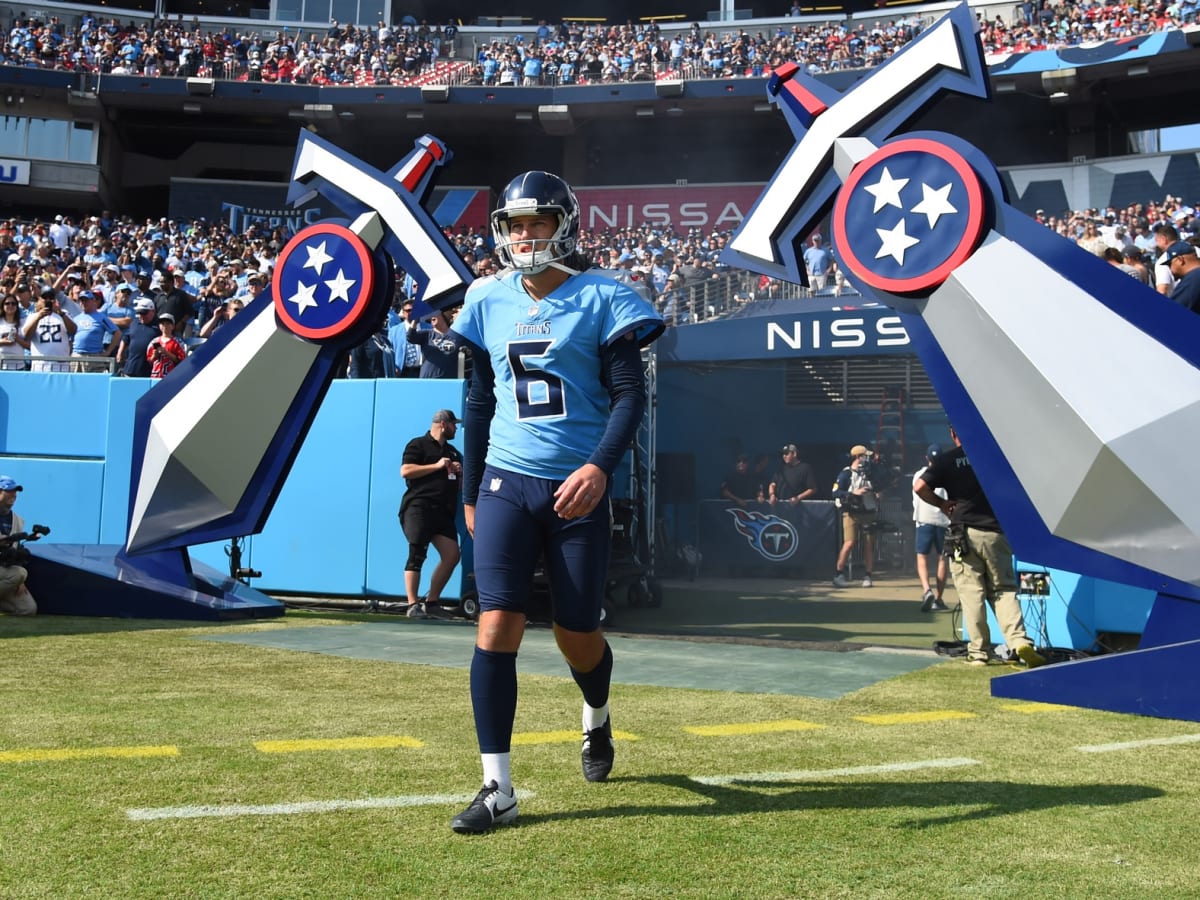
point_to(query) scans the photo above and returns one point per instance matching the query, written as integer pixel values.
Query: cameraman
(981, 559)
(858, 500)
(15, 598)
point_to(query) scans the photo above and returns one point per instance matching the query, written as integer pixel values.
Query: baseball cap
(1178, 249)
(48, 291)
(144, 305)
(445, 415)
(789, 448)
(8, 483)
(167, 317)
(932, 451)
(128, 288)
(859, 450)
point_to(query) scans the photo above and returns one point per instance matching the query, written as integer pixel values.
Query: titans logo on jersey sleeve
(323, 281)
(909, 214)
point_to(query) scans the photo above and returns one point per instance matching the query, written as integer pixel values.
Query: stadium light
(201, 87)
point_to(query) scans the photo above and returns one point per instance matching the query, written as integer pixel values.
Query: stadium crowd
(567, 53)
(199, 271)
(202, 272)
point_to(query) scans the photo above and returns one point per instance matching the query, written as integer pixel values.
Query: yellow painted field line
(58, 754)
(1033, 708)
(382, 742)
(934, 715)
(751, 728)
(562, 737)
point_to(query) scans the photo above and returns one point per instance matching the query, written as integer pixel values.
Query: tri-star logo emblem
(323, 281)
(909, 214)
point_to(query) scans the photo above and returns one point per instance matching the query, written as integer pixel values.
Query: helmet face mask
(529, 194)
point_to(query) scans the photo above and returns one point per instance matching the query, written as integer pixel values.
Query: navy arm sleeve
(621, 370)
(477, 419)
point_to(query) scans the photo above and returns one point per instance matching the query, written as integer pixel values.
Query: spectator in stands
(408, 353)
(49, 333)
(1134, 260)
(93, 330)
(1165, 235)
(818, 262)
(132, 358)
(223, 313)
(12, 341)
(165, 351)
(438, 347)
(1181, 258)
(1116, 259)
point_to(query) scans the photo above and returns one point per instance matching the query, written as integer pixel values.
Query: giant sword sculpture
(214, 442)
(1022, 333)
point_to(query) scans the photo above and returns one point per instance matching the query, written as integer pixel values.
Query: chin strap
(557, 265)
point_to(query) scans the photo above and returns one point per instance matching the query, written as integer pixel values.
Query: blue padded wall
(404, 408)
(54, 414)
(123, 397)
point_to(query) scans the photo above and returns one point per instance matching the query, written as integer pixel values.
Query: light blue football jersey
(551, 408)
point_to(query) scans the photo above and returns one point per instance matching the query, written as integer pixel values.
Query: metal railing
(725, 294)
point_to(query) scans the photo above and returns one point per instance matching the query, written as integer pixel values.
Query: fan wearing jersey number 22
(556, 396)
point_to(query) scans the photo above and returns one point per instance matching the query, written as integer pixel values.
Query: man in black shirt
(794, 481)
(740, 486)
(432, 470)
(980, 557)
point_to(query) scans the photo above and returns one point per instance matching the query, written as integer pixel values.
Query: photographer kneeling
(14, 595)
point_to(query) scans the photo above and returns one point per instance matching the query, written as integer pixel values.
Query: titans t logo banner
(1064, 377)
(771, 537)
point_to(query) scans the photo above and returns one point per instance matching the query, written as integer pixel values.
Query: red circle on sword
(908, 215)
(323, 281)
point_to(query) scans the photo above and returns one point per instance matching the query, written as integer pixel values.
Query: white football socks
(594, 717)
(497, 768)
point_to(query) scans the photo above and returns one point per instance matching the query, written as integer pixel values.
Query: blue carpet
(739, 668)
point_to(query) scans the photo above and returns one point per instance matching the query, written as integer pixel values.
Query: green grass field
(825, 807)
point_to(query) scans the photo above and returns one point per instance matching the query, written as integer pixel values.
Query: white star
(895, 242)
(935, 203)
(339, 288)
(317, 257)
(886, 190)
(303, 298)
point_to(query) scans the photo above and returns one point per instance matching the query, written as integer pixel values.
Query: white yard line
(1133, 745)
(233, 810)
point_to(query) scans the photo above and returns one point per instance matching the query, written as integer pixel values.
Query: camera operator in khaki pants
(14, 595)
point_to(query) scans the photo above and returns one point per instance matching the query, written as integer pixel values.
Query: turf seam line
(816, 774)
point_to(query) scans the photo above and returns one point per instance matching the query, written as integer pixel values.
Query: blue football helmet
(537, 193)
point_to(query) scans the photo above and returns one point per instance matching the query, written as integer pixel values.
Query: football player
(557, 394)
